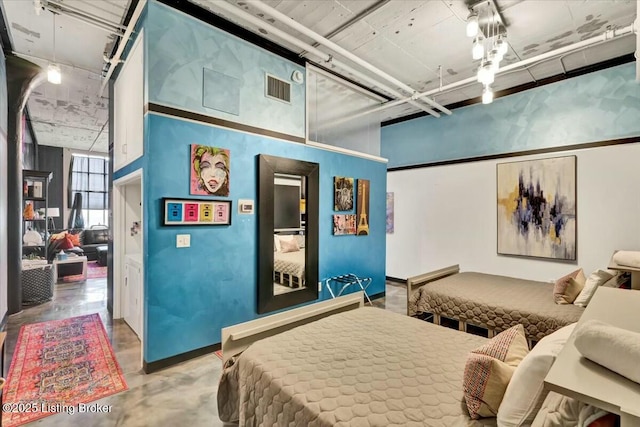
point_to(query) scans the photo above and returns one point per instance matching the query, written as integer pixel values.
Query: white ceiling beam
(115, 60)
(281, 17)
(325, 57)
(606, 36)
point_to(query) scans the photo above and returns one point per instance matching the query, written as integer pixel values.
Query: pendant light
(472, 25)
(53, 71)
(477, 52)
(487, 95)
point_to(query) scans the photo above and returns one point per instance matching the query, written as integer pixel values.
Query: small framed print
(196, 212)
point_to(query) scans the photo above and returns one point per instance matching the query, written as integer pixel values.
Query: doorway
(128, 247)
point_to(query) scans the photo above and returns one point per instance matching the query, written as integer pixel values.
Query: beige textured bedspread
(496, 303)
(365, 367)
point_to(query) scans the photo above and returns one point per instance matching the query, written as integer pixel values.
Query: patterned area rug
(94, 271)
(58, 366)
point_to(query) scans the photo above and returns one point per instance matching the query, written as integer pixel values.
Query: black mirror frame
(268, 166)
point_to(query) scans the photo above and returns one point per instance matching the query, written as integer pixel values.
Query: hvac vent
(278, 89)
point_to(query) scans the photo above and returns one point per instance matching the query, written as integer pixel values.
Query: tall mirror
(288, 192)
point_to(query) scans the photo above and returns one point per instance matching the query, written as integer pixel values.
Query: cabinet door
(132, 303)
(135, 112)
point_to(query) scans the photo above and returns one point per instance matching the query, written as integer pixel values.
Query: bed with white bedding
(288, 268)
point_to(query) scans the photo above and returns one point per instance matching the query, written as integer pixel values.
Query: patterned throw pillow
(75, 239)
(489, 369)
(565, 290)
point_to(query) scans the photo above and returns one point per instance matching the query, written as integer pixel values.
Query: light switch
(183, 240)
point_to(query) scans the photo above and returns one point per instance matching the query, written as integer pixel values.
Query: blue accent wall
(593, 107)
(180, 48)
(191, 293)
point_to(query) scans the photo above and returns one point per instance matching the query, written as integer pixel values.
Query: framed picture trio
(196, 212)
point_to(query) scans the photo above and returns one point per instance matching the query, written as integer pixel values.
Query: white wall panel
(447, 215)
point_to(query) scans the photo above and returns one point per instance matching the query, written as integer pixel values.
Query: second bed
(489, 301)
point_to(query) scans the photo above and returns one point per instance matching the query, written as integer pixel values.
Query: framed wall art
(343, 193)
(210, 171)
(196, 212)
(344, 224)
(362, 207)
(536, 204)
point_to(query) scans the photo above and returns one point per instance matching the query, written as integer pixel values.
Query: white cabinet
(129, 108)
(132, 294)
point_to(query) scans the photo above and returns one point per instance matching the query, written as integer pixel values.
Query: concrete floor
(184, 394)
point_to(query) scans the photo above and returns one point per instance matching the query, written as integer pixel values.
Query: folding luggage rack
(342, 282)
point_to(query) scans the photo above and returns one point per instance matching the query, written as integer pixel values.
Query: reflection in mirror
(289, 239)
(288, 232)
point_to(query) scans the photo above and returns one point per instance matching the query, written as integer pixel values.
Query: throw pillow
(58, 236)
(66, 243)
(595, 279)
(564, 292)
(525, 392)
(276, 243)
(75, 239)
(289, 245)
(489, 369)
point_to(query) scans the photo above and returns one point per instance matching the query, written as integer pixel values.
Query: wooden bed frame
(414, 283)
(237, 338)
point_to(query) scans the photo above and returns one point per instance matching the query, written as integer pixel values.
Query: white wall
(447, 215)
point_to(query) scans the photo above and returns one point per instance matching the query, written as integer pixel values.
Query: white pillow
(276, 243)
(525, 392)
(595, 279)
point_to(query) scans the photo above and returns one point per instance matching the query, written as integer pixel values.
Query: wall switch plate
(183, 240)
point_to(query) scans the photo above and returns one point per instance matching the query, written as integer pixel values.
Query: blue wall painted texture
(191, 293)
(598, 106)
(180, 48)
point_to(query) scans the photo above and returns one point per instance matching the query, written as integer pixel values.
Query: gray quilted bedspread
(496, 303)
(365, 367)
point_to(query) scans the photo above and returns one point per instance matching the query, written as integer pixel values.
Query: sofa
(85, 242)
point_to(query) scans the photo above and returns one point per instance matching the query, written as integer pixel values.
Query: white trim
(312, 144)
(119, 230)
(346, 151)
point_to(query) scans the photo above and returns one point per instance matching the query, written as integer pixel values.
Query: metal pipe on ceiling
(281, 17)
(97, 25)
(62, 7)
(115, 59)
(606, 36)
(325, 57)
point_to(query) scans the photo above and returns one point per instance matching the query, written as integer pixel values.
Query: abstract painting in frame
(537, 208)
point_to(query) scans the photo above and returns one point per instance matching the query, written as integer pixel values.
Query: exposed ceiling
(409, 40)
(72, 114)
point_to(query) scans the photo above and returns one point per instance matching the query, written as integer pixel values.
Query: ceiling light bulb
(478, 49)
(472, 25)
(487, 95)
(485, 73)
(53, 74)
(502, 45)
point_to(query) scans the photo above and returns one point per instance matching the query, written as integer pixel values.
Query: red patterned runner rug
(60, 366)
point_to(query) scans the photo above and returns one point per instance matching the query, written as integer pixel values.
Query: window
(89, 176)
